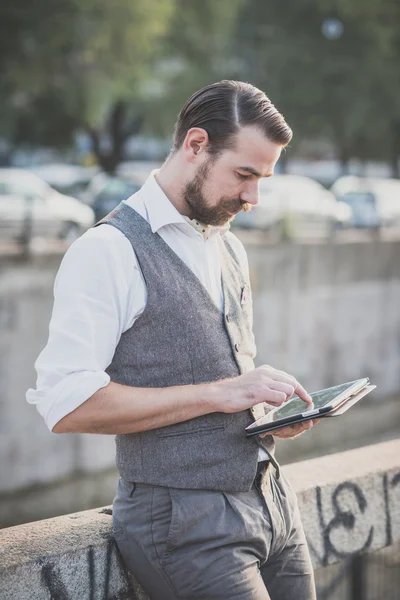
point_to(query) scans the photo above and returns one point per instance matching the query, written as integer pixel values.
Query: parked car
(361, 200)
(105, 192)
(296, 206)
(71, 180)
(374, 201)
(30, 207)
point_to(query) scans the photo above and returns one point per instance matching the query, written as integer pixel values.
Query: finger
(278, 375)
(286, 378)
(275, 397)
(284, 432)
(292, 431)
(298, 427)
(301, 392)
(280, 386)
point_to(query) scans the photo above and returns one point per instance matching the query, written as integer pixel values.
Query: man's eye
(242, 176)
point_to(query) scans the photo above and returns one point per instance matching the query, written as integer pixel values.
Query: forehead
(254, 150)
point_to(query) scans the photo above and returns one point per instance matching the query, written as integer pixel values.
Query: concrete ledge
(350, 503)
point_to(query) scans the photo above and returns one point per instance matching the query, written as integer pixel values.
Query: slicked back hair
(224, 107)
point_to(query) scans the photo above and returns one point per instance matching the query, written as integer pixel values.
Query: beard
(218, 215)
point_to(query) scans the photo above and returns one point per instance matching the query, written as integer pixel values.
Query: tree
(89, 56)
(113, 69)
(196, 52)
(381, 18)
(327, 88)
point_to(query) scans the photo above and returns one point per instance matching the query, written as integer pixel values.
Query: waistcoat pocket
(177, 432)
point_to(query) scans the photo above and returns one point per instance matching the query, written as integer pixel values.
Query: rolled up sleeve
(89, 315)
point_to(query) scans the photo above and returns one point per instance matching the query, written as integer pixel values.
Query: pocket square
(244, 296)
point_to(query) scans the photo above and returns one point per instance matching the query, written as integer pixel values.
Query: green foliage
(86, 54)
(323, 86)
(341, 90)
(196, 53)
(115, 67)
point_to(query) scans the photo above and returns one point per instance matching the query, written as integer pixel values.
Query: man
(151, 339)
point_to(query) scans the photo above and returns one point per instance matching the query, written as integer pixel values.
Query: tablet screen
(296, 405)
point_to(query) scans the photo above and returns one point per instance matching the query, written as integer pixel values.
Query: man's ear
(195, 144)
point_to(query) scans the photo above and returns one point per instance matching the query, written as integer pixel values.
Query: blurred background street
(89, 93)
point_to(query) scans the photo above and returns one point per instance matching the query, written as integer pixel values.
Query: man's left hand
(292, 431)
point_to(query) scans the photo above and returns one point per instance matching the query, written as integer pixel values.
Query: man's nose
(251, 194)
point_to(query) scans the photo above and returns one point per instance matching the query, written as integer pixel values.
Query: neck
(172, 184)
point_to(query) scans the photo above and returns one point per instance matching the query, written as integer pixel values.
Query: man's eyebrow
(253, 171)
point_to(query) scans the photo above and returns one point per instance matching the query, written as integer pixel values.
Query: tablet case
(317, 414)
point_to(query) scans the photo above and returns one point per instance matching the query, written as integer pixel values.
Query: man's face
(223, 186)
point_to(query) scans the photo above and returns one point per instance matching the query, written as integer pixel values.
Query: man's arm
(98, 294)
(117, 408)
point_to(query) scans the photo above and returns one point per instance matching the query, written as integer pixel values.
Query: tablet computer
(295, 410)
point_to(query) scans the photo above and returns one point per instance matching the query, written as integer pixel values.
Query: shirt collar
(205, 231)
(161, 211)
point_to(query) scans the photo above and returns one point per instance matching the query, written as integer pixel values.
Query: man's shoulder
(99, 244)
(102, 235)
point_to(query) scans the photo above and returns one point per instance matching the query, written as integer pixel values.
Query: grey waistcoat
(182, 338)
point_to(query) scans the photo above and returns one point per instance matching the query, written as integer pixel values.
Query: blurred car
(105, 192)
(295, 206)
(364, 209)
(67, 179)
(375, 202)
(362, 201)
(29, 203)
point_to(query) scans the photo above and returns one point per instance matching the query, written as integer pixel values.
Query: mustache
(236, 205)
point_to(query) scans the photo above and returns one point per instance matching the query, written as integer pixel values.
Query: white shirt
(99, 292)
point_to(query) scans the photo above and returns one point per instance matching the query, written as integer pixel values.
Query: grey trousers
(211, 545)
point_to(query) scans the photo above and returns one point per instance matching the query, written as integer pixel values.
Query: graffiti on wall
(348, 530)
(98, 576)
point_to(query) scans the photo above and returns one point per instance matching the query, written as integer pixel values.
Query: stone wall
(329, 312)
(349, 502)
(31, 457)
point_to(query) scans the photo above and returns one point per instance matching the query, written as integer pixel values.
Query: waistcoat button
(237, 347)
(228, 319)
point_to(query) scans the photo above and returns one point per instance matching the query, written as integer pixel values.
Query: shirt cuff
(67, 395)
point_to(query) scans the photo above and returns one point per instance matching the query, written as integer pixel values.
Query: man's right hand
(264, 384)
